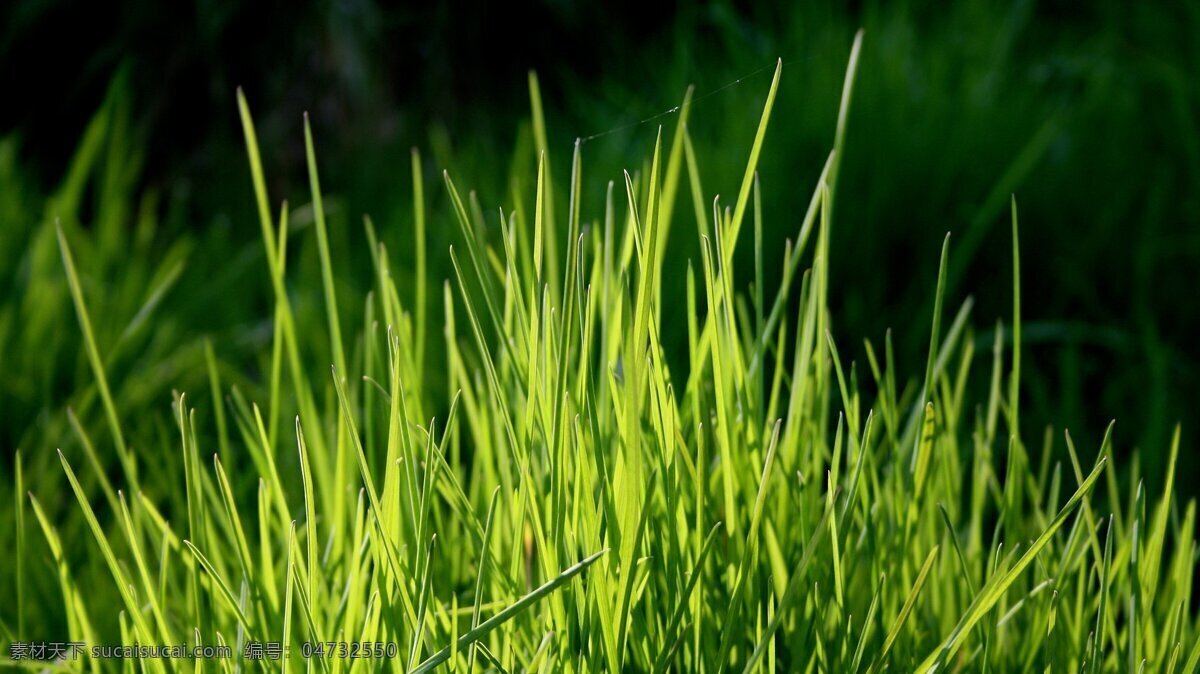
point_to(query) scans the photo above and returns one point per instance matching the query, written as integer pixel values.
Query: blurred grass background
(120, 120)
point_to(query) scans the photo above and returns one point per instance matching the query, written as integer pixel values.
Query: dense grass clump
(526, 484)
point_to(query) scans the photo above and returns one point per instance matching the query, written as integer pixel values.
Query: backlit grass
(542, 492)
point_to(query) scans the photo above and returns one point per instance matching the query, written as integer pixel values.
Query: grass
(544, 492)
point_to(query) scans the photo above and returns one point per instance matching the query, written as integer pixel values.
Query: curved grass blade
(508, 613)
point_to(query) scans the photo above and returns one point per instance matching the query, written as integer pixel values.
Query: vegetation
(508, 471)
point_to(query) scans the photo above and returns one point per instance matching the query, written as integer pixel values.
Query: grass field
(490, 462)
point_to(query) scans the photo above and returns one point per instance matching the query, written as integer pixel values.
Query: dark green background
(1086, 111)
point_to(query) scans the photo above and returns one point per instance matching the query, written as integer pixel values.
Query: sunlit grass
(574, 504)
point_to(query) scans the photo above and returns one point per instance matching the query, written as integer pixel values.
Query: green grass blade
(508, 613)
